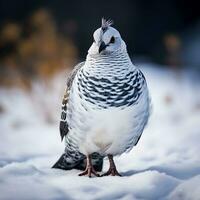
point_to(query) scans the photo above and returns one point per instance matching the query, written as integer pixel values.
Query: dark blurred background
(39, 38)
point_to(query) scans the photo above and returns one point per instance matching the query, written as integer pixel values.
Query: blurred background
(41, 41)
(39, 38)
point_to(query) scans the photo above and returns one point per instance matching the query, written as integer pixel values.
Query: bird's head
(106, 39)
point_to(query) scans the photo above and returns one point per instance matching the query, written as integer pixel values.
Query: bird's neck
(109, 64)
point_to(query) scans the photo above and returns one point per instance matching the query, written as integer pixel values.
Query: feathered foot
(89, 169)
(112, 169)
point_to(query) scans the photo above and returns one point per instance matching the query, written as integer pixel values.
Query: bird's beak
(102, 47)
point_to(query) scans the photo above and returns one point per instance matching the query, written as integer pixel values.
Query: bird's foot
(112, 171)
(89, 171)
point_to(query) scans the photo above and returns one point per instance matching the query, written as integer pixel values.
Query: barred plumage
(63, 122)
(106, 105)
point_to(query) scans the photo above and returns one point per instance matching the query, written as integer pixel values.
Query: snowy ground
(164, 165)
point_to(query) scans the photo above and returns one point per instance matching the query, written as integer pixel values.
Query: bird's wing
(140, 82)
(63, 123)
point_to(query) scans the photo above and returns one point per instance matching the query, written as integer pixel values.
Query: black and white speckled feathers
(119, 85)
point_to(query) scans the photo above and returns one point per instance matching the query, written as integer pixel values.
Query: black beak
(102, 47)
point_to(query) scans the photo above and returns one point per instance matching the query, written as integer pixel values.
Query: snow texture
(164, 165)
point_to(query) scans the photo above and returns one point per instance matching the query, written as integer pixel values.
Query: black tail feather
(62, 163)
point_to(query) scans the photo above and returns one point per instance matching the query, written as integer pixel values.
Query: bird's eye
(112, 40)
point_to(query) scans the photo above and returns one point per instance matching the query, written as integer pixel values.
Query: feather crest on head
(105, 24)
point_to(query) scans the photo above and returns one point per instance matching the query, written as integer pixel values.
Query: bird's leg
(112, 169)
(89, 168)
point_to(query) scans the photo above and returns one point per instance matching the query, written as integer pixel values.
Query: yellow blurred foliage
(172, 45)
(10, 32)
(41, 53)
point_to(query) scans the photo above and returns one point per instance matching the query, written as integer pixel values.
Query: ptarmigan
(105, 107)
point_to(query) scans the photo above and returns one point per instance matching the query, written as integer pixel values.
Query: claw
(112, 170)
(89, 169)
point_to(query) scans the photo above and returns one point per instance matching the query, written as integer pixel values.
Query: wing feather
(63, 122)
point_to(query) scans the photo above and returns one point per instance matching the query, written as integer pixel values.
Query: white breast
(107, 131)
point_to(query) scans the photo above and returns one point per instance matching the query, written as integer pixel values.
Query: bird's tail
(68, 162)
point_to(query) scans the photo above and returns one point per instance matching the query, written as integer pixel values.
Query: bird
(105, 108)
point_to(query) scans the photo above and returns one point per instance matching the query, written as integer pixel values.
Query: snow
(164, 165)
